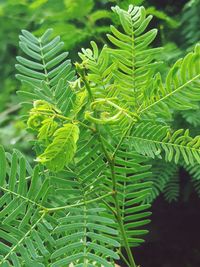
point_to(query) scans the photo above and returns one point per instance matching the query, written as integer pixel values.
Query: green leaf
(180, 91)
(154, 139)
(47, 129)
(45, 66)
(2, 166)
(62, 150)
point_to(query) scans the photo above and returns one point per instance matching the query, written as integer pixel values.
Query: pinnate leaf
(61, 151)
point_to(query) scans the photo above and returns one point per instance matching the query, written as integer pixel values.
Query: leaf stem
(77, 204)
(119, 218)
(122, 138)
(124, 259)
(68, 119)
(108, 206)
(22, 197)
(22, 239)
(111, 162)
(81, 72)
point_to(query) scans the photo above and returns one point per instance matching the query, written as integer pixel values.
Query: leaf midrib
(166, 143)
(170, 94)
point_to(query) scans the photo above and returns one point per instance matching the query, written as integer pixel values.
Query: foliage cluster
(98, 126)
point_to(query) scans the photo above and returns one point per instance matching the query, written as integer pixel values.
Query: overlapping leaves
(24, 232)
(118, 87)
(46, 69)
(154, 139)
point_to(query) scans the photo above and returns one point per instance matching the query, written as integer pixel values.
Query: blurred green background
(173, 241)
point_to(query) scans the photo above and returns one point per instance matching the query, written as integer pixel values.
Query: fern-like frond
(181, 88)
(84, 234)
(196, 185)
(194, 172)
(133, 189)
(135, 64)
(133, 186)
(192, 116)
(171, 191)
(154, 139)
(86, 237)
(190, 23)
(88, 167)
(46, 69)
(60, 230)
(61, 151)
(99, 72)
(24, 231)
(121, 71)
(162, 173)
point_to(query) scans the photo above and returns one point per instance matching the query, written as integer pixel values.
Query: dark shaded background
(174, 235)
(174, 239)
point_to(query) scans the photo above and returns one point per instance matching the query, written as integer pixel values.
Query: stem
(87, 86)
(118, 213)
(119, 219)
(67, 119)
(77, 204)
(124, 259)
(23, 197)
(72, 120)
(127, 113)
(85, 233)
(108, 206)
(111, 162)
(122, 138)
